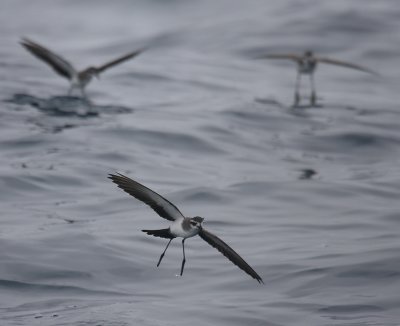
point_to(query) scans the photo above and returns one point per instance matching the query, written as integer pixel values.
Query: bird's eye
(193, 223)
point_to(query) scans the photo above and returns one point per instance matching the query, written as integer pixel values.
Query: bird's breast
(307, 66)
(178, 230)
(76, 81)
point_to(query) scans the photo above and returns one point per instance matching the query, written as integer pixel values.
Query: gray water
(309, 197)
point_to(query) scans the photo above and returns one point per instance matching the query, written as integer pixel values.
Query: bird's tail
(163, 233)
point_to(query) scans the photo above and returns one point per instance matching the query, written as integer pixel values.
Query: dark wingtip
(257, 278)
(24, 41)
(115, 176)
(371, 72)
(141, 50)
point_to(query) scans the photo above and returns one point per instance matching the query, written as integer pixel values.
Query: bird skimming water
(306, 64)
(78, 79)
(182, 227)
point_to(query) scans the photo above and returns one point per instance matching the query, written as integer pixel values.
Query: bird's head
(195, 222)
(92, 72)
(308, 53)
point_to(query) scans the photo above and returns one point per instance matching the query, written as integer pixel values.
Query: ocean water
(308, 196)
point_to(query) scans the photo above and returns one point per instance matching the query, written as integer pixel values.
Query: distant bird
(307, 174)
(78, 79)
(182, 227)
(306, 64)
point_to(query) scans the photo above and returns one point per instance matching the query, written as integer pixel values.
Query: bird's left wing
(58, 63)
(118, 60)
(159, 204)
(229, 253)
(345, 64)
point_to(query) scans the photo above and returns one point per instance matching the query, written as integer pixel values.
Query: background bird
(183, 227)
(306, 64)
(78, 79)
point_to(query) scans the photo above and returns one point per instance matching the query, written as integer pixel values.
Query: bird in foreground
(78, 79)
(181, 227)
(306, 64)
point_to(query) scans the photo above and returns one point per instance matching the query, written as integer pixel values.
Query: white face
(195, 224)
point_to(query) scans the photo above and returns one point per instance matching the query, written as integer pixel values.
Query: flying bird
(306, 64)
(181, 226)
(78, 79)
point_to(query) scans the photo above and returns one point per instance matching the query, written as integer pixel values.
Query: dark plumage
(163, 233)
(184, 227)
(228, 252)
(159, 204)
(307, 64)
(65, 69)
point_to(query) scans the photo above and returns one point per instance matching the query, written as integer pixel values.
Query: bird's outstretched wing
(118, 60)
(229, 253)
(159, 204)
(58, 63)
(345, 64)
(293, 57)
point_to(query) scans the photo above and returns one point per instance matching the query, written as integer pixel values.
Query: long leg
(297, 89)
(162, 255)
(71, 88)
(184, 258)
(83, 92)
(88, 102)
(313, 98)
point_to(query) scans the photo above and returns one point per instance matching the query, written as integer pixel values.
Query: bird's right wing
(292, 57)
(229, 253)
(159, 204)
(118, 60)
(59, 64)
(346, 64)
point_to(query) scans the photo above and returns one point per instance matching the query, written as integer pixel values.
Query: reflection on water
(67, 106)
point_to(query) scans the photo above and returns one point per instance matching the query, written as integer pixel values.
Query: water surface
(309, 197)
